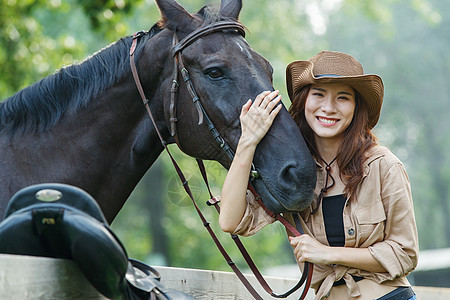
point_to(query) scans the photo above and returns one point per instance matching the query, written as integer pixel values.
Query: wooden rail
(26, 277)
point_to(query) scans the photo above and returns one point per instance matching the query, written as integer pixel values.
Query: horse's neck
(105, 147)
(119, 146)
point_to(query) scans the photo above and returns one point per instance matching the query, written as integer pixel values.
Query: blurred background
(406, 42)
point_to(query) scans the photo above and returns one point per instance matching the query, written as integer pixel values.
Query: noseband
(177, 48)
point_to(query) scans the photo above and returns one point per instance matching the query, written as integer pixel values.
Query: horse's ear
(175, 17)
(230, 8)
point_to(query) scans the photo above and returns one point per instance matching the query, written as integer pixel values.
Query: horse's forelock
(207, 15)
(210, 15)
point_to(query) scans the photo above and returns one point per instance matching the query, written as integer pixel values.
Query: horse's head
(226, 72)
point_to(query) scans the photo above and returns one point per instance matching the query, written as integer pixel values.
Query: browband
(200, 32)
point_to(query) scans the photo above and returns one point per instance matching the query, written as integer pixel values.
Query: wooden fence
(26, 277)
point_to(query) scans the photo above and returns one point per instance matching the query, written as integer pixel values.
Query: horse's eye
(215, 73)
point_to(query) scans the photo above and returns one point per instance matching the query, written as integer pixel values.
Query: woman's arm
(308, 249)
(256, 120)
(399, 250)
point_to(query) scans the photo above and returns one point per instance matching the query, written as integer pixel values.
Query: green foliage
(38, 37)
(26, 52)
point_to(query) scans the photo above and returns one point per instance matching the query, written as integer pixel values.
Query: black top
(332, 208)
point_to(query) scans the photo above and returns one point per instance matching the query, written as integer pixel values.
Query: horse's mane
(41, 105)
(210, 15)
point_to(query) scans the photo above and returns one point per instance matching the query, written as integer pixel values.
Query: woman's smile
(329, 109)
(327, 121)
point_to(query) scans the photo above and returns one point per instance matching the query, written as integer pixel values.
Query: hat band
(328, 75)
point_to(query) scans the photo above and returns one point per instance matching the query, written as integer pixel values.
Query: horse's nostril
(296, 186)
(293, 177)
(289, 174)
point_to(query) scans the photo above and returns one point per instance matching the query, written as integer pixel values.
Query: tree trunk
(154, 191)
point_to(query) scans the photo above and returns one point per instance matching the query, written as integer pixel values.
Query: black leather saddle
(62, 221)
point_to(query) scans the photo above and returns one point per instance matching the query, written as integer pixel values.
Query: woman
(360, 230)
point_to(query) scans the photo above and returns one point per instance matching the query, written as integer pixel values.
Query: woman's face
(329, 110)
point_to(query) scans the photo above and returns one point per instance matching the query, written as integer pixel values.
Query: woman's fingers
(263, 104)
(274, 106)
(265, 108)
(264, 99)
(298, 244)
(257, 116)
(269, 98)
(259, 99)
(307, 248)
(246, 107)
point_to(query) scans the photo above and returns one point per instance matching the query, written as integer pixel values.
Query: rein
(203, 117)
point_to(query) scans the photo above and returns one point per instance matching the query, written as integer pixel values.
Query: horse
(85, 125)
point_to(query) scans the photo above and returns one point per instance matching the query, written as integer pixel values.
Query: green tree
(38, 37)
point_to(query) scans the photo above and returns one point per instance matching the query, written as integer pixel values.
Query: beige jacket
(380, 217)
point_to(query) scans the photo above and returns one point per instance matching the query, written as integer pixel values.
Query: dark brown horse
(86, 126)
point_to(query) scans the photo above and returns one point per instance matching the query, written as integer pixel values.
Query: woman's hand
(308, 249)
(257, 117)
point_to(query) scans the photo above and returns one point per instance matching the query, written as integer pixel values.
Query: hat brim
(370, 87)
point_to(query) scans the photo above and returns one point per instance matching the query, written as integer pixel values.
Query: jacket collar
(373, 154)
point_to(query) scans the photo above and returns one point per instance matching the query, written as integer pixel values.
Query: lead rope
(308, 268)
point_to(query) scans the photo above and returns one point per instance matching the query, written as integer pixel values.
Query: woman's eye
(344, 98)
(215, 73)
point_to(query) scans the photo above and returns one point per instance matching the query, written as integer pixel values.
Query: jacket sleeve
(254, 219)
(398, 252)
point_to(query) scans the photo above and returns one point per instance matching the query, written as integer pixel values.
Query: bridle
(177, 48)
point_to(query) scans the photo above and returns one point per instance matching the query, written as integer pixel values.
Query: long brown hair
(357, 140)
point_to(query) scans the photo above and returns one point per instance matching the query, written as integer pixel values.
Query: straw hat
(337, 67)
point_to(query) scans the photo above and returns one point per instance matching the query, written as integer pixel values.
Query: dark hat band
(327, 75)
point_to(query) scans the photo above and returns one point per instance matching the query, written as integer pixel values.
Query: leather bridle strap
(196, 34)
(174, 93)
(134, 71)
(296, 231)
(177, 48)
